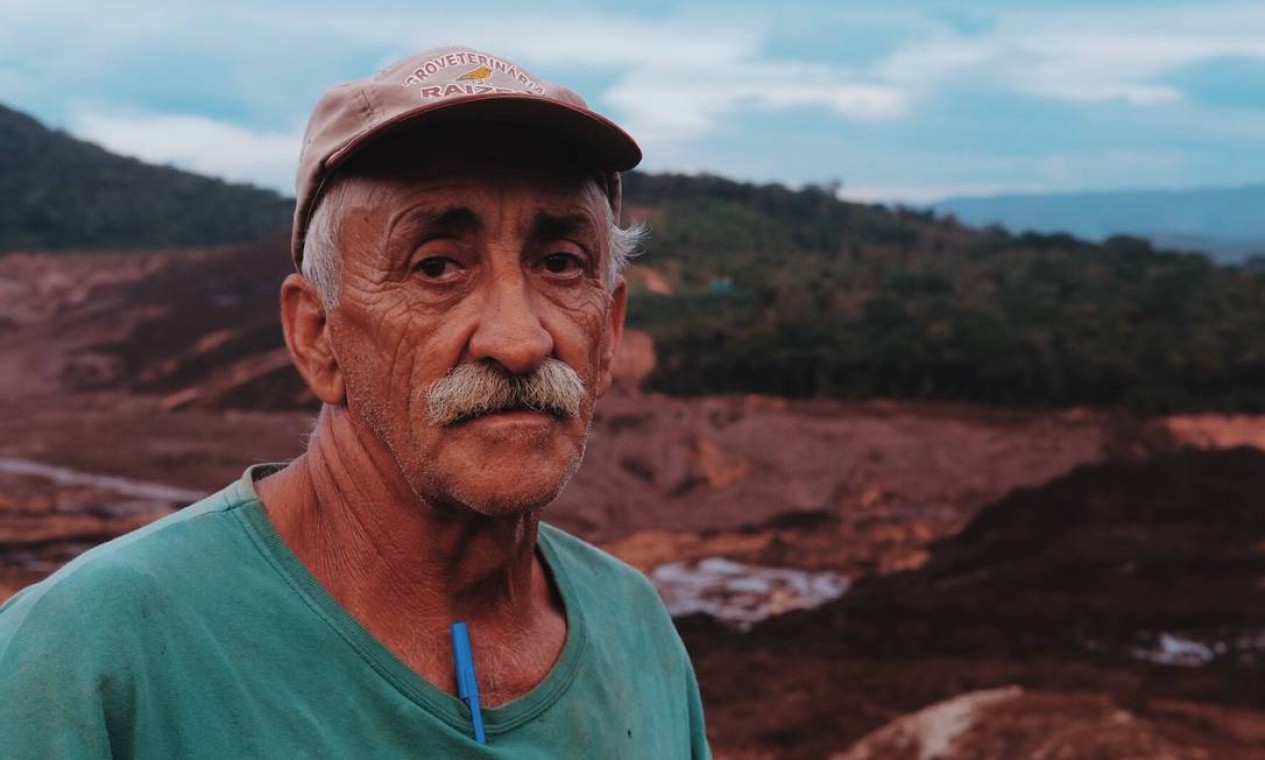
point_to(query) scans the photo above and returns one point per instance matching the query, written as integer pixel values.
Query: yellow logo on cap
(479, 74)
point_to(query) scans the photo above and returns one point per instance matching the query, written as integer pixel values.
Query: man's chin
(507, 504)
(514, 488)
(501, 465)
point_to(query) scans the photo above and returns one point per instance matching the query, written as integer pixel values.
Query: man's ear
(306, 326)
(614, 333)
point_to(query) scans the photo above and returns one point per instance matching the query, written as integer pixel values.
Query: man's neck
(406, 569)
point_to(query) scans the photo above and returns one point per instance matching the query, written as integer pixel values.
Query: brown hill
(1111, 558)
(1141, 582)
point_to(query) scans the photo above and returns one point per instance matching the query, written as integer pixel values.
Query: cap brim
(601, 143)
(598, 142)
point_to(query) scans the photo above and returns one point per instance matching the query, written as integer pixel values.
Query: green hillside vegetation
(57, 192)
(795, 293)
(783, 292)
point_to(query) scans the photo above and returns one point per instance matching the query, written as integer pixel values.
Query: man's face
(496, 261)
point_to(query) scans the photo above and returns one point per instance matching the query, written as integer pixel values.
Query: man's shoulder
(85, 647)
(112, 581)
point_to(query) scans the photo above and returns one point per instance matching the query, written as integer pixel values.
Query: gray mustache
(471, 390)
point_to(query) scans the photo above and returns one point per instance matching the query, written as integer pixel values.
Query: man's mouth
(517, 409)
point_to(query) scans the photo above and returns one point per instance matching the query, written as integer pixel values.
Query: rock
(260, 380)
(1006, 723)
(633, 362)
(711, 466)
(649, 279)
(1217, 431)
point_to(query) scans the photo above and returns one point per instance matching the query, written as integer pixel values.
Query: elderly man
(458, 306)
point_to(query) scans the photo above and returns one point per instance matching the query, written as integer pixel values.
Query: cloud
(660, 77)
(14, 85)
(197, 144)
(1226, 81)
(667, 106)
(984, 174)
(679, 72)
(1084, 55)
(670, 82)
(675, 84)
(927, 193)
(224, 88)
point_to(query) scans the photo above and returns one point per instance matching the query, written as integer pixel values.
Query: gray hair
(321, 263)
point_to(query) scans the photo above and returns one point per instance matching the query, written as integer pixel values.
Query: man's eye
(563, 263)
(435, 266)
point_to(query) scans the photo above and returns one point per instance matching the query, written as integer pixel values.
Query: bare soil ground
(1070, 588)
(161, 370)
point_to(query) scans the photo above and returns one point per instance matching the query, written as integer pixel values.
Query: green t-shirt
(203, 636)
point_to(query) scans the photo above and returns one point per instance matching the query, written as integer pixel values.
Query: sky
(898, 101)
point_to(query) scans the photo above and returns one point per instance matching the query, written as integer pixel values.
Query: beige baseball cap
(448, 83)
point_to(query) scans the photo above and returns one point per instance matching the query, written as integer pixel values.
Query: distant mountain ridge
(1228, 223)
(59, 192)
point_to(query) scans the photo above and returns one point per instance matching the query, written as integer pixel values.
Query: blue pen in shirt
(467, 685)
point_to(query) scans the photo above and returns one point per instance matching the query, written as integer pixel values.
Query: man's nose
(510, 331)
